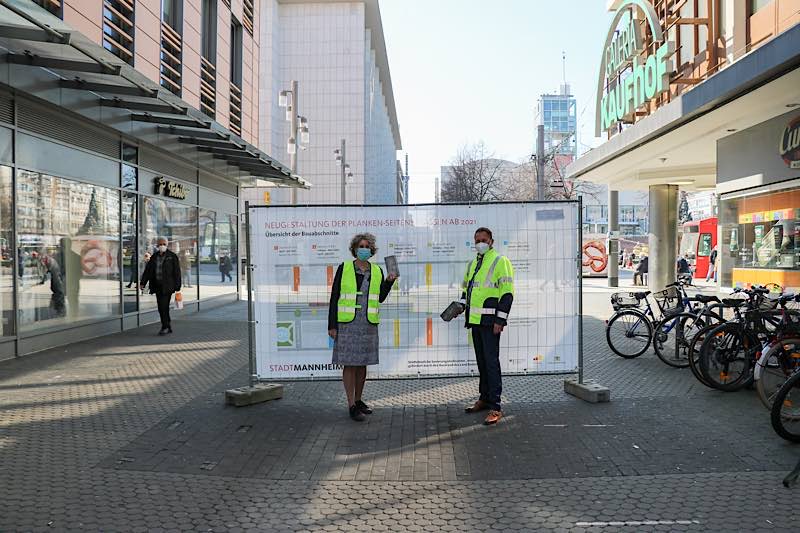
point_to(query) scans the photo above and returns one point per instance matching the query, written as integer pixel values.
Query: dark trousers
(487, 355)
(163, 309)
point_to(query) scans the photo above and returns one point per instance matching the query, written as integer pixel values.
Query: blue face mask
(364, 253)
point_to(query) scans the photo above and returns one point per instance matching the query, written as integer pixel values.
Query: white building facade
(336, 52)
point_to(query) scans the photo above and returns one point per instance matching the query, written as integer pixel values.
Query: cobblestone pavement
(129, 433)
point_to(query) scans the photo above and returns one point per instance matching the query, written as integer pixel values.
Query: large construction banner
(296, 250)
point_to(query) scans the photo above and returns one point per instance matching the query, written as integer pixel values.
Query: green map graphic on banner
(285, 334)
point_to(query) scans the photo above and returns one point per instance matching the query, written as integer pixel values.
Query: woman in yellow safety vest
(358, 290)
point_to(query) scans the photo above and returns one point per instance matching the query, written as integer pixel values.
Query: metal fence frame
(251, 322)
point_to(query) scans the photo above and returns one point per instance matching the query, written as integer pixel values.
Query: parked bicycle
(630, 330)
(729, 352)
(785, 412)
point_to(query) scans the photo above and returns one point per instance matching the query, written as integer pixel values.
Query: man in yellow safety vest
(488, 292)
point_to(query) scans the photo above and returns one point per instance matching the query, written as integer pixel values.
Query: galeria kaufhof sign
(644, 78)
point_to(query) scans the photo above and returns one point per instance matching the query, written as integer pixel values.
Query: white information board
(296, 251)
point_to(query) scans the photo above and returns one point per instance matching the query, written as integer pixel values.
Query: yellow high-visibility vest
(494, 279)
(349, 293)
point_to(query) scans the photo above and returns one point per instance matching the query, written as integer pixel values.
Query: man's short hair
(484, 230)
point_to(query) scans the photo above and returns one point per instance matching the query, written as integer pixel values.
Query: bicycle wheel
(629, 333)
(785, 413)
(777, 364)
(726, 357)
(673, 336)
(694, 354)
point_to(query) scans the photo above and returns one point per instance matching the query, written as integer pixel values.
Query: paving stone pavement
(129, 433)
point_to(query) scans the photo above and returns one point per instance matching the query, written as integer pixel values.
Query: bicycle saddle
(734, 302)
(704, 299)
(640, 295)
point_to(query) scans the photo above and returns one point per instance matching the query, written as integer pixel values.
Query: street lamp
(298, 128)
(347, 175)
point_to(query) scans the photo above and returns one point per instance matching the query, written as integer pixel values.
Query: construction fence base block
(261, 392)
(588, 391)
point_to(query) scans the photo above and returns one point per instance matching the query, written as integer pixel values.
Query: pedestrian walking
(225, 267)
(641, 270)
(487, 297)
(163, 273)
(145, 259)
(712, 265)
(186, 267)
(359, 288)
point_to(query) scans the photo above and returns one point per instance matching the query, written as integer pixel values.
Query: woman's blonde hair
(369, 237)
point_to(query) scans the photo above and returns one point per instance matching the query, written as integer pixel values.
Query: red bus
(698, 238)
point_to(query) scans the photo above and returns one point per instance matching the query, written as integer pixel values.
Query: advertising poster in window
(594, 258)
(296, 252)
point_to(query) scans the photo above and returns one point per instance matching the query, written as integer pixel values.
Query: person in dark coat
(53, 270)
(225, 267)
(163, 273)
(641, 270)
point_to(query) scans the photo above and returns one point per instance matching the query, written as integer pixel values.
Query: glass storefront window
(68, 246)
(704, 247)
(130, 153)
(7, 254)
(130, 177)
(131, 271)
(178, 223)
(761, 239)
(217, 254)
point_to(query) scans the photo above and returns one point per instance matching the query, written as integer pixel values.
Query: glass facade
(68, 242)
(7, 255)
(559, 117)
(218, 257)
(178, 223)
(79, 248)
(761, 239)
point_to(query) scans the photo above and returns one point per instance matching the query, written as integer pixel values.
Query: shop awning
(74, 72)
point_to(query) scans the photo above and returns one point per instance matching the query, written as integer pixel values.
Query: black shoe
(364, 408)
(357, 415)
(163, 331)
(169, 329)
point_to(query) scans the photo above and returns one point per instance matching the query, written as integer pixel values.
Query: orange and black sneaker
(493, 417)
(478, 406)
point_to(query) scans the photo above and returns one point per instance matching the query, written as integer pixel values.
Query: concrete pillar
(613, 239)
(663, 236)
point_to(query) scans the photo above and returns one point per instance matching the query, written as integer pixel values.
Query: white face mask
(482, 247)
(162, 248)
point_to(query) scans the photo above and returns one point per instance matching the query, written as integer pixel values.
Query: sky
(465, 71)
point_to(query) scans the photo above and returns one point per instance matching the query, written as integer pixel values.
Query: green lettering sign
(625, 83)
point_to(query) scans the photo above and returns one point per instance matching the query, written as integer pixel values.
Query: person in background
(684, 268)
(133, 265)
(712, 265)
(53, 270)
(163, 273)
(488, 292)
(225, 267)
(145, 259)
(641, 270)
(358, 290)
(186, 267)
